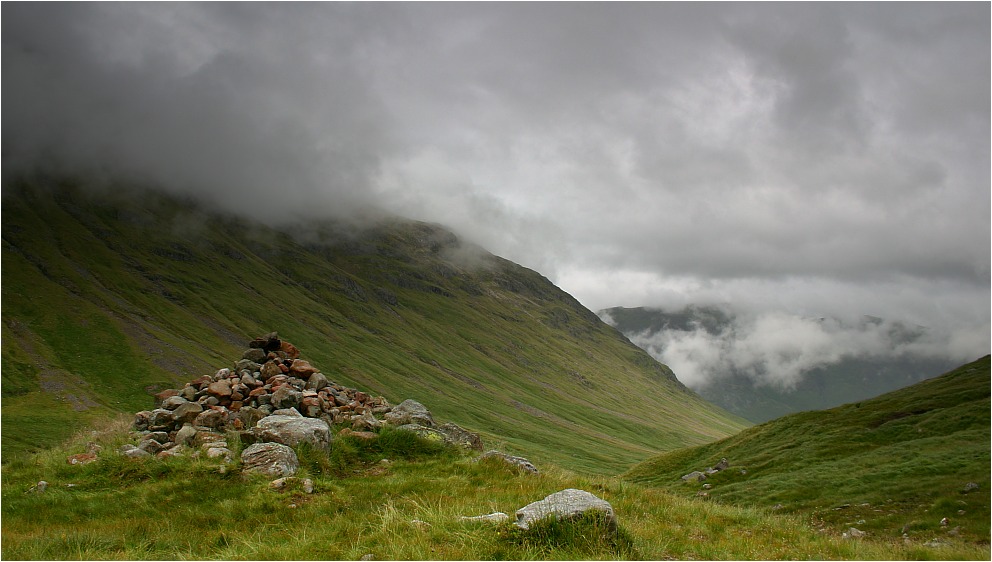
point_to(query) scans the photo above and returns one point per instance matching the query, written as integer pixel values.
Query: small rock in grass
(497, 517)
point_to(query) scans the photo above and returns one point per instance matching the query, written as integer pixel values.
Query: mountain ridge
(103, 292)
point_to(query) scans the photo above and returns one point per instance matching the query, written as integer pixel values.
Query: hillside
(848, 380)
(109, 298)
(896, 464)
(407, 509)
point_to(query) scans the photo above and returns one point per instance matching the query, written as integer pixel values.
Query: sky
(820, 159)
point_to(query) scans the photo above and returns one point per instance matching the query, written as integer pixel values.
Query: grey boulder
(565, 504)
(410, 412)
(271, 459)
(290, 430)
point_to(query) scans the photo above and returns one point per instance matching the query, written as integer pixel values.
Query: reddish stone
(283, 368)
(363, 435)
(289, 349)
(220, 389)
(205, 379)
(236, 405)
(258, 392)
(81, 458)
(303, 369)
(167, 393)
(361, 397)
(238, 424)
(236, 396)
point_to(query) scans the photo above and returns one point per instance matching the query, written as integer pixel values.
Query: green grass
(184, 508)
(118, 296)
(897, 463)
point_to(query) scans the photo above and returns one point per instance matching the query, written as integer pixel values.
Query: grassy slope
(899, 462)
(184, 508)
(105, 302)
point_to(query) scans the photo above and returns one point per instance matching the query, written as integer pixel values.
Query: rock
(270, 459)
(187, 412)
(302, 369)
(213, 419)
(270, 369)
(249, 416)
(365, 422)
(289, 349)
(565, 504)
(173, 402)
(280, 483)
(141, 420)
(255, 355)
(161, 419)
(707, 486)
(517, 462)
(286, 397)
(84, 458)
(943, 522)
(268, 342)
(317, 381)
(367, 557)
(291, 412)
(455, 435)
(722, 465)
(970, 487)
(410, 412)
(150, 446)
(363, 435)
(134, 452)
(248, 365)
(694, 475)
(497, 517)
(290, 430)
(165, 394)
(427, 433)
(186, 434)
(160, 436)
(219, 452)
(853, 533)
(204, 436)
(173, 452)
(220, 389)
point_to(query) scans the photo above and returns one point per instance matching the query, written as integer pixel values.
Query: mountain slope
(847, 380)
(109, 298)
(899, 462)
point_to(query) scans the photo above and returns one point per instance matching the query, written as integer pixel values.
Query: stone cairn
(272, 397)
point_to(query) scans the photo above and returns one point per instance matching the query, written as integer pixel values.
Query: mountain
(847, 379)
(111, 295)
(898, 463)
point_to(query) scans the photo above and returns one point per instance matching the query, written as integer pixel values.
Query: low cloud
(778, 349)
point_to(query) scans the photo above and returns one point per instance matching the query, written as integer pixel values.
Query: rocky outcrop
(566, 504)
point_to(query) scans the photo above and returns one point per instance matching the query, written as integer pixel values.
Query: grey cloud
(767, 153)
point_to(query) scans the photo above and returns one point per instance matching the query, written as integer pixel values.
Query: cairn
(271, 395)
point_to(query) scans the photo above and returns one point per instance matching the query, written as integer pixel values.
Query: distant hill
(899, 463)
(848, 380)
(109, 298)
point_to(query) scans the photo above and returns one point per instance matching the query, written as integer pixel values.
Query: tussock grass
(409, 509)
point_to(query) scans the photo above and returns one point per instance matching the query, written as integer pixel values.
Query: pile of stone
(272, 396)
(699, 476)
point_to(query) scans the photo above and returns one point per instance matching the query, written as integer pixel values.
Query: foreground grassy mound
(897, 464)
(409, 509)
(109, 298)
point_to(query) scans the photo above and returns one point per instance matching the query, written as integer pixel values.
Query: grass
(409, 509)
(891, 465)
(121, 295)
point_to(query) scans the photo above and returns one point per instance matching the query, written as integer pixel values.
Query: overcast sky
(822, 159)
